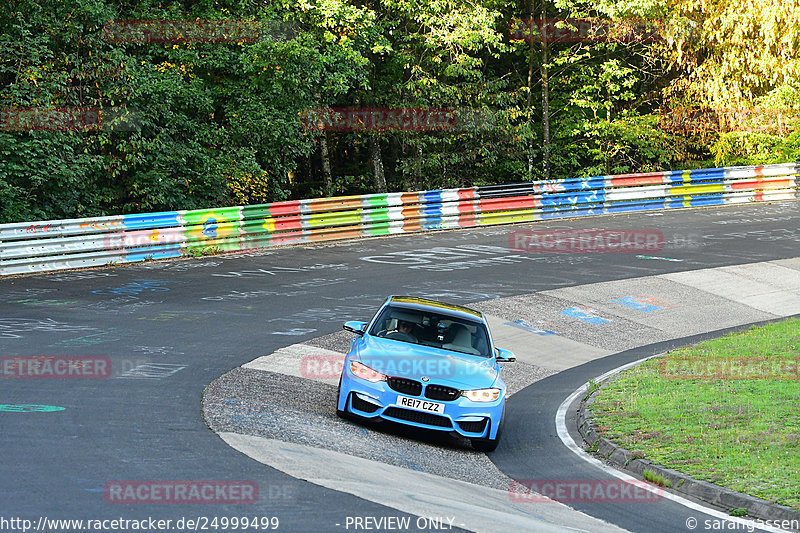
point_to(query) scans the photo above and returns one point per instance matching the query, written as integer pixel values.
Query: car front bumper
(379, 401)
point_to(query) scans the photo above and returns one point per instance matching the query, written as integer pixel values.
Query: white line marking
(566, 438)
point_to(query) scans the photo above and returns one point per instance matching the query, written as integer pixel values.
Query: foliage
(191, 123)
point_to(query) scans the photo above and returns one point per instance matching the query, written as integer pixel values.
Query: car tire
(490, 445)
(339, 413)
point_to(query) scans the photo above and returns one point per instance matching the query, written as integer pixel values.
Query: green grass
(658, 479)
(202, 252)
(743, 434)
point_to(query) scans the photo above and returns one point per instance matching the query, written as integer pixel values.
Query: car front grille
(473, 427)
(405, 386)
(440, 392)
(362, 405)
(418, 416)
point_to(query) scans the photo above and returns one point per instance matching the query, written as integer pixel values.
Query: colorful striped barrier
(63, 244)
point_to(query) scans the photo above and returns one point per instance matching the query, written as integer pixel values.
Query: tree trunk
(417, 185)
(377, 163)
(530, 92)
(545, 102)
(606, 138)
(326, 164)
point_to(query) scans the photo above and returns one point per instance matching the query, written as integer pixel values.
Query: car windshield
(429, 328)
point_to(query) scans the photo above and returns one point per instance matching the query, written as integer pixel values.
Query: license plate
(420, 405)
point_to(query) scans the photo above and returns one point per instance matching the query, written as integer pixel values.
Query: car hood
(413, 361)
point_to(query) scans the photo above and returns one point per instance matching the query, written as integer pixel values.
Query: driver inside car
(406, 328)
(403, 331)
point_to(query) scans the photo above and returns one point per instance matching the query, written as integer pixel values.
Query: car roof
(412, 302)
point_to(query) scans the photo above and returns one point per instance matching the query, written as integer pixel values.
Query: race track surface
(172, 328)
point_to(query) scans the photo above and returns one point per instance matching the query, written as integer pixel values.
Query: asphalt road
(171, 328)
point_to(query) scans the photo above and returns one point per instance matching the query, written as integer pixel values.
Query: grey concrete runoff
(633, 312)
(472, 507)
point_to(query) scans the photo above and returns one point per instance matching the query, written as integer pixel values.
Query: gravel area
(617, 334)
(276, 406)
(338, 342)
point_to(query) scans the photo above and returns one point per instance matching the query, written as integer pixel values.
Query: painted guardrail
(64, 244)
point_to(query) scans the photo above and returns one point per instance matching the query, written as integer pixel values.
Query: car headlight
(364, 372)
(481, 395)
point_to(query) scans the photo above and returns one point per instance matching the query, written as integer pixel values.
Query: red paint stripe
(743, 184)
(288, 223)
(284, 208)
(466, 208)
(515, 202)
(467, 221)
(762, 182)
(466, 194)
(466, 204)
(286, 238)
(629, 180)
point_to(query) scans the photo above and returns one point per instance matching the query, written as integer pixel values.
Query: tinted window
(432, 329)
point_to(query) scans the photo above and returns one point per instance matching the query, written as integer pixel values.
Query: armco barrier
(61, 244)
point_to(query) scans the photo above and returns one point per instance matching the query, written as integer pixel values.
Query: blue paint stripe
(432, 210)
(431, 197)
(154, 252)
(572, 204)
(707, 199)
(568, 213)
(432, 223)
(166, 219)
(527, 326)
(708, 174)
(674, 177)
(559, 199)
(575, 312)
(635, 303)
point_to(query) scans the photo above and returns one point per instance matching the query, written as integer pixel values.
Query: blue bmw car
(429, 365)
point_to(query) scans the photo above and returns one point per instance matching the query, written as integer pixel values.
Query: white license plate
(420, 405)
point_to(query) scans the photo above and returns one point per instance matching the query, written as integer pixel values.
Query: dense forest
(124, 106)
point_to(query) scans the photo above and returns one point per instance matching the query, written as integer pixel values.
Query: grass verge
(725, 411)
(658, 479)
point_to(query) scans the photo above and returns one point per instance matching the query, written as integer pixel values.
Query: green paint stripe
(378, 215)
(343, 218)
(381, 200)
(380, 228)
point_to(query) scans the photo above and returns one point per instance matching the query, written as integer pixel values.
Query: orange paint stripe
(337, 203)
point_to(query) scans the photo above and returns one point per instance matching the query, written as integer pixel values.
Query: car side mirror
(355, 327)
(505, 356)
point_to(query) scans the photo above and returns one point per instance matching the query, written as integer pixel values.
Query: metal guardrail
(63, 244)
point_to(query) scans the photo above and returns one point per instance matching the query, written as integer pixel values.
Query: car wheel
(489, 445)
(339, 413)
